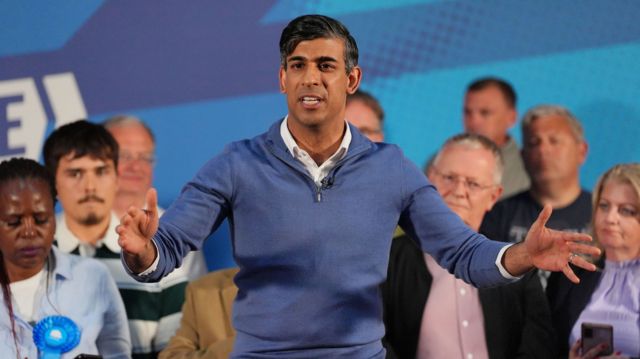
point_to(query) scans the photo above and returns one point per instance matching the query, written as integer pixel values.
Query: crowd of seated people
(97, 171)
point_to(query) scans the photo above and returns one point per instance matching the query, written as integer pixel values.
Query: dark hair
(24, 168)
(507, 90)
(80, 138)
(368, 100)
(15, 169)
(311, 27)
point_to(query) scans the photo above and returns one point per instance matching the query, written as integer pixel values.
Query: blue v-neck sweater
(311, 258)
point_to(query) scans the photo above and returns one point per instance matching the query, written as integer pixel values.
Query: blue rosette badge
(54, 335)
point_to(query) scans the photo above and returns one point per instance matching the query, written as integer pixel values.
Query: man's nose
(460, 187)
(89, 183)
(544, 147)
(135, 164)
(311, 76)
(472, 121)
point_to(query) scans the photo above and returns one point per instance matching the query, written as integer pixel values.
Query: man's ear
(354, 77)
(282, 74)
(584, 149)
(513, 117)
(496, 192)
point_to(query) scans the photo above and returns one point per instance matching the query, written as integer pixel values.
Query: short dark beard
(91, 219)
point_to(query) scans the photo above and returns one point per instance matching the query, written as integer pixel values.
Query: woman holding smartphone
(52, 302)
(611, 295)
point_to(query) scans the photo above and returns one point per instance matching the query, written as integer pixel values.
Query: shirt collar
(67, 241)
(63, 264)
(510, 144)
(294, 149)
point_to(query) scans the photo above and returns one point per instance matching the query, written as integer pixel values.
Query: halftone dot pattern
(427, 107)
(417, 56)
(285, 10)
(420, 38)
(412, 40)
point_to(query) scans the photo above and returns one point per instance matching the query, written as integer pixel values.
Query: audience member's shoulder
(82, 265)
(218, 279)
(523, 196)
(514, 200)
(585, 196)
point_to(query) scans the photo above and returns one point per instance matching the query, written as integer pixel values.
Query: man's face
(365, 120)
(135, 164)
(316, 83)
(487, 113)
(551, 152)
(465, 179)
(86, 188)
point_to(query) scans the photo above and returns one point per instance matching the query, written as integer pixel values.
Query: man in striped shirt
(83, 157)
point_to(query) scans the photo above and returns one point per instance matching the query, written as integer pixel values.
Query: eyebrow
(326, 59)
(81, 169)
(296, 58)
(318, 59)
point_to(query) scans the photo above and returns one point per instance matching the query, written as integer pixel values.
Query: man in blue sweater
(311, 260)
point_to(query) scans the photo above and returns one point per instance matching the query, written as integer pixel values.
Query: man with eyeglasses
(431, 314)
(136, 160)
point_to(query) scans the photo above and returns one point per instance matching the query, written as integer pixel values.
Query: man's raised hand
(135, 231)
(553, 250)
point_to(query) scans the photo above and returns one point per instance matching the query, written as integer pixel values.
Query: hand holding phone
(594, 334)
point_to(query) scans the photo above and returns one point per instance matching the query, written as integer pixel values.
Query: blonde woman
(610, 295)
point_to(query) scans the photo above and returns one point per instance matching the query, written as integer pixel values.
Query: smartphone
(594, 334)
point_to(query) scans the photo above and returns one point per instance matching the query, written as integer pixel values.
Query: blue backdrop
(204, 73)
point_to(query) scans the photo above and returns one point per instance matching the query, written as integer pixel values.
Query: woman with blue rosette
(55, 305)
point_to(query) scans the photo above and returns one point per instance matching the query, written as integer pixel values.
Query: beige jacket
(206, 331)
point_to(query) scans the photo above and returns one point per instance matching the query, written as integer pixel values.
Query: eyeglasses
(450, 180)
(148, 158)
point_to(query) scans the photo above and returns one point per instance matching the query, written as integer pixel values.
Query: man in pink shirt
(431, 314)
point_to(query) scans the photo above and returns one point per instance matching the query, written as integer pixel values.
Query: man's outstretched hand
(135, 231)
(551, 250)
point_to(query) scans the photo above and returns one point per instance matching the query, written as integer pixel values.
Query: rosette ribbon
(55, 335)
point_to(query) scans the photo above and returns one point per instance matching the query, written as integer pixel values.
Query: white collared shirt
(67, 241)
(316, 172)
